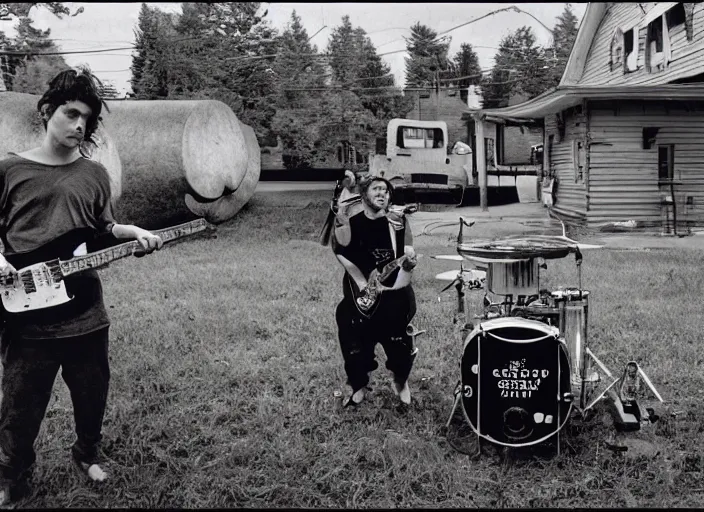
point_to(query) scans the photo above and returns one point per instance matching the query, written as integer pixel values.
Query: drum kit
(526, 366)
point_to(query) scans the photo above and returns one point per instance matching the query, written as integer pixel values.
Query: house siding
(623, 177)
(687, 56)
(571, 195)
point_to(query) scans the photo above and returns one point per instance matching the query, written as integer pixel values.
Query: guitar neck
(102, 258)
(391, 267)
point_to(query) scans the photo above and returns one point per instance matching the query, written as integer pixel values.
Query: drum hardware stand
(413, 333)
(464, 222)
(626, 410)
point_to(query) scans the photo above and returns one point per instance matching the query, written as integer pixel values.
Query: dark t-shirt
(46, 212)
(371, 247)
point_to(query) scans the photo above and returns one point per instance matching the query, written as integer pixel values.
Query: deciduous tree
(27, 40)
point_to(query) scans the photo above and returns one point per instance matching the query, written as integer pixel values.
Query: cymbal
(582, 246)
(452, 257)
(451, 275)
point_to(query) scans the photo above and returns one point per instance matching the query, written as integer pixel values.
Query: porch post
(481, 161)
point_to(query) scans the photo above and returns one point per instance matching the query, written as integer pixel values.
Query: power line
(318, 32)
(392, 87)
(70, 52)
(112, 70)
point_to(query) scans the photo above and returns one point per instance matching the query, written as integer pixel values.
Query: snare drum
(515, 381)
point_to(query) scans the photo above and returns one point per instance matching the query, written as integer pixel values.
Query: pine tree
(465, 68)
(564, 36)
(108, 90)
(360, 112)
(144, 35)
(151, 73)
(519, 68)
(427, 56)
(298, 65)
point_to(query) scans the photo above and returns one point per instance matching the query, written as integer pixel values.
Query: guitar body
(367, 300)
(42, 285)
(37, 288)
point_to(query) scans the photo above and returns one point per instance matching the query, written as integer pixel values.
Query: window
(579, 159)
(408, 137)
(649, 135)
(655, 46)
(666, 162)
(500, 143)
(675, 16)
(430, 139)
(630, 50)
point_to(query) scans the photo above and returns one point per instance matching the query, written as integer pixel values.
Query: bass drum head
(515, 373)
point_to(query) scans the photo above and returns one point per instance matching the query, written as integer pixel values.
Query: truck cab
(417, 159)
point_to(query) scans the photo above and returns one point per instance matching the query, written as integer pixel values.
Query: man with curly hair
(367, 238)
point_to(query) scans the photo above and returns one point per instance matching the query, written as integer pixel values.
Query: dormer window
(663, 25)
(655, 55)
(630, 50)
(675, 16)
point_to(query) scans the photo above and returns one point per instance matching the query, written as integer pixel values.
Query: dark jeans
(358, 337)
(29, 370)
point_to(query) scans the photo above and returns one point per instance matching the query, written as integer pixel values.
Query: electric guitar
(367, 300)
(42, 285)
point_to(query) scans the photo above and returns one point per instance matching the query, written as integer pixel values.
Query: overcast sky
(111, 25)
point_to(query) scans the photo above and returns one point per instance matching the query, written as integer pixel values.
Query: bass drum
(516, 381)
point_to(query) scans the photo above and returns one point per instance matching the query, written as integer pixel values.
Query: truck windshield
(411, 137)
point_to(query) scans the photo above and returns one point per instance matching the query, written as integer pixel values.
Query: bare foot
(403, 392)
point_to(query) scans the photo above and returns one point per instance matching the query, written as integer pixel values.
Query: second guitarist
(374, 239)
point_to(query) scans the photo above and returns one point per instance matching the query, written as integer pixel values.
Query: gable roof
(593, 17)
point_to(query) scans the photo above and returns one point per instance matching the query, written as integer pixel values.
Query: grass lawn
(225, 361)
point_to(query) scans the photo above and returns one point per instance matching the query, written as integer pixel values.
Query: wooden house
(623, 133)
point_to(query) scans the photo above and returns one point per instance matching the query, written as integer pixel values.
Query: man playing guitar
(378, 300)
(53, 201)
